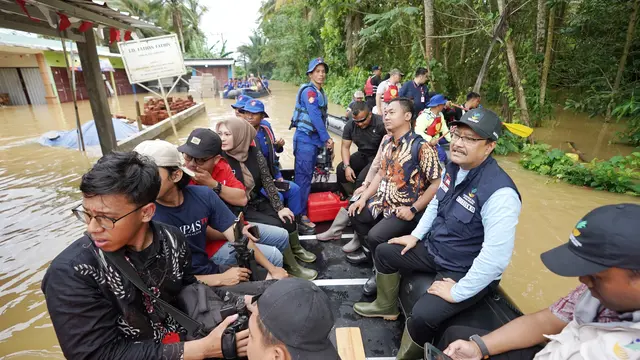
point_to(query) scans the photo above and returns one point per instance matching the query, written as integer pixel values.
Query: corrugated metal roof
(102, 8)
(210, 62)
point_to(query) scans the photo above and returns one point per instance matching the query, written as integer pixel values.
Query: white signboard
(152, 58)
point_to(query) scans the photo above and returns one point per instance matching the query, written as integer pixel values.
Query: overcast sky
(232, 19)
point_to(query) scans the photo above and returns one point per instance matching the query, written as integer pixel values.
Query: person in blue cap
(265, 138)
(432, 126)
(309, 119)
(241, 100)
(265, 82)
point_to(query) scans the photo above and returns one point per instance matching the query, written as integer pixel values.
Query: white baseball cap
(163, 153)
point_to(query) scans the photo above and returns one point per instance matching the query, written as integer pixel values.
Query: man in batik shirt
(407, 180)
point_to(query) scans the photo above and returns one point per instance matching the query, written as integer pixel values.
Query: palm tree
(253, 52)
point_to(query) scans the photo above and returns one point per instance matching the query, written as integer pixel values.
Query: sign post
(154, 59)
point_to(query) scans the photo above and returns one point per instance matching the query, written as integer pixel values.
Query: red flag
(114, 35)
(127, 35)
(23, 6)
(86, 25)
(64, 23)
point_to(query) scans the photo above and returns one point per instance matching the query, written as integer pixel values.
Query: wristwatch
(345, 166)
(481, 345)
(217, 188)
(413, 209)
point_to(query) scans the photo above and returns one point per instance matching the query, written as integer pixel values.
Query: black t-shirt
(368, 139)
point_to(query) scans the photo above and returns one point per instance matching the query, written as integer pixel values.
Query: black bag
(198, 300)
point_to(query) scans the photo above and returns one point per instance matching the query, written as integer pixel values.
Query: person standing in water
(310, 120)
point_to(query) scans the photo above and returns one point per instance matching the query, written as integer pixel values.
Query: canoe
(342, 282)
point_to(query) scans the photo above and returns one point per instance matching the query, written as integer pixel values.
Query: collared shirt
(565, 308)
(418, 93)
(425, 120)
(404, 180)
(499, 217)
(262, 140)
(368, 139)
(98, 315)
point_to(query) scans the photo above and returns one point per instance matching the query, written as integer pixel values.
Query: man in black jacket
(96, 312)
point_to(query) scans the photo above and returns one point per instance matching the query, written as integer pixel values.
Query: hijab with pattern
(243, 135)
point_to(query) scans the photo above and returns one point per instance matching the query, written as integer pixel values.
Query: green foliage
(618, 174)
(509, 143)
(630, 113)
(340, 89)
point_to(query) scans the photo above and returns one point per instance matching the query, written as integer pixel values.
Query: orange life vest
(368, 87)
(435, 127)
(391, 93)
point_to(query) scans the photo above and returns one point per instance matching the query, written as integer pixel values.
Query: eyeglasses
(465, 139)
(104, 221)
(198, 161)
(361, 120)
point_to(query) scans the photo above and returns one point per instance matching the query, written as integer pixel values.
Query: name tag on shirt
(466, 204)
(422, 99)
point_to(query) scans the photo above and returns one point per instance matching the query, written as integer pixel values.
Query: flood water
(39, 186)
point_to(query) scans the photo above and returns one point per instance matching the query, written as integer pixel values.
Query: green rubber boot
(294, 269)
(386, 304)
(298, 250)
(409, 350)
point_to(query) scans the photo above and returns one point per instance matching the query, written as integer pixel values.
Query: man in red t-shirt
(202, 155)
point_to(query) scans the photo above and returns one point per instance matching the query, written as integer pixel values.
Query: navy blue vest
(457, 232)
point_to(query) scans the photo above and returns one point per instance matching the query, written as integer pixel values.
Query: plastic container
(324, 206)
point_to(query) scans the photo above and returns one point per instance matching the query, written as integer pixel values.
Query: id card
(422, 99)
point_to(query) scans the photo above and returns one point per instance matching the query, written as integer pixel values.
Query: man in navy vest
(465, 236)
(309, 119)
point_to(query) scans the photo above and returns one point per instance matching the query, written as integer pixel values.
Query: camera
(233, 305)
(245, 256)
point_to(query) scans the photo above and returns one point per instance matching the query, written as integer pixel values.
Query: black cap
(606, 237)
(484, 122)
(202, 143)
(375, 67)
(299, 314)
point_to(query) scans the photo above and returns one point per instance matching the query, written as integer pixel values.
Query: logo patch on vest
(444, 185)
(466, 204)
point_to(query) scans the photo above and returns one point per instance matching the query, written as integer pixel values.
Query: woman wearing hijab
(251, 168)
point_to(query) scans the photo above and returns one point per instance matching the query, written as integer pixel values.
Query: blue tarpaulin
(69, 139)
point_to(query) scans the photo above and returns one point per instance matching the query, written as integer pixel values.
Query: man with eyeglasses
(465, 236)
(366, 131)
(95, 311)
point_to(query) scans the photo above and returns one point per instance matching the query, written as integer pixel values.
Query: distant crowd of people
(171, 216)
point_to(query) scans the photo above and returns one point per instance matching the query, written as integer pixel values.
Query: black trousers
(464, 332)
(360, 163)
(430, 310)
(262, 212)
(381, 229)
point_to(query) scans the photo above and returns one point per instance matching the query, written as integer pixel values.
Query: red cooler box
(324, 206)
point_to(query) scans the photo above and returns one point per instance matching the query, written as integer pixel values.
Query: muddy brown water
(38, 186)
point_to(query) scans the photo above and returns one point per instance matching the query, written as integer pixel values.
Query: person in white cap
(193, 208)
(358, 96)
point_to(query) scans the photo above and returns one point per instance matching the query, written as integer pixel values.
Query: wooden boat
(343, 282)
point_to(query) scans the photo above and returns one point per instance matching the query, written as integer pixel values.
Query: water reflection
(38, 186)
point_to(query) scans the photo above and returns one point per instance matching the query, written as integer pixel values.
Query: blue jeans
(291, 198)
(273, 241)
(306, 155)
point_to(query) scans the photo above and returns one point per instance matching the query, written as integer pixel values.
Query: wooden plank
(22, 23)
(98, 99)
(350, 346)
(76, 11)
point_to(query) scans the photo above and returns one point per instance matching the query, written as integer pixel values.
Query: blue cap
(437, 99)
(315, 62)
(255, 107)
(375, 67)
(241, 100)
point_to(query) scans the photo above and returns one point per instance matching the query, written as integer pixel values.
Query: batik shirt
(98, 314)
(405, 176)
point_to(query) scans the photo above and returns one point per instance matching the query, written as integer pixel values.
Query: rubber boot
(386, 304)
(298, 250)
(294, 269)
(335, 231)
(409, 350)
(352, 245)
